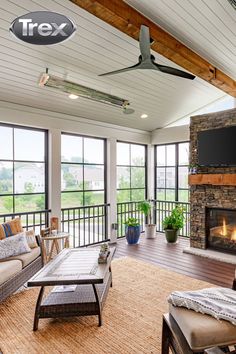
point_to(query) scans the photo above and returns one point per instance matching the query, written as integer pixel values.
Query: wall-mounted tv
(217, 147)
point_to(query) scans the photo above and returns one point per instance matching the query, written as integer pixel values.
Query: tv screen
(217, 147)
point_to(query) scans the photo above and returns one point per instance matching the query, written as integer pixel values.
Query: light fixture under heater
(81, 91)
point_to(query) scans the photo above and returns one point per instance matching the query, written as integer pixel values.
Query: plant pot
(150, 230)
(171, 235)
(132, 234)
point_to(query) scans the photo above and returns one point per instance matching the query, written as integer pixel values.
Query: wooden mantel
(213, 179)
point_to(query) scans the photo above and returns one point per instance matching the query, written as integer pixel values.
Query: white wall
(19, 114)
(170, 135)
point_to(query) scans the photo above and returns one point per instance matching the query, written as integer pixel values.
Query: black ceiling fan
(147, 61)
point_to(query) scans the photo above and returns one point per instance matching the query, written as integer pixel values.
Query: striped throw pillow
(10, 228)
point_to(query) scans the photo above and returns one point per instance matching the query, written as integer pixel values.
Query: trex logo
(42, 28)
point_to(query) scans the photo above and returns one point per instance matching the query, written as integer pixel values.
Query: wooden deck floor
(171, 256)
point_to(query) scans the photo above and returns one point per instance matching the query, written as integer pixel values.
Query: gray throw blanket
(217, 302)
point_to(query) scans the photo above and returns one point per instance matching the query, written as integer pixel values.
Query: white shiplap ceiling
(97, 47)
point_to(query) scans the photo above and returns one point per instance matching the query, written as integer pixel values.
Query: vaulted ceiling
(208, 28)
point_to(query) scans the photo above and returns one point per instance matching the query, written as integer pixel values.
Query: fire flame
(224, 228)
(233, 235)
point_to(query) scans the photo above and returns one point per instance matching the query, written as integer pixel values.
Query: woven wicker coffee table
(79, 267)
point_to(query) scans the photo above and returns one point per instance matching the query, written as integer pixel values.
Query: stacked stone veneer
(202, 196)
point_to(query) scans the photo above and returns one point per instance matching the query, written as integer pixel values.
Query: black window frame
(13, 161)
(176, 167)
(130, 166)
(104, 190)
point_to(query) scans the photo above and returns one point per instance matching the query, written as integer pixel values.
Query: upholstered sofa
(17, 270)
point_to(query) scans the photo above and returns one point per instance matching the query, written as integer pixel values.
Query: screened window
(23, 169)
(131, 172)
(172, 172)
(82, 171)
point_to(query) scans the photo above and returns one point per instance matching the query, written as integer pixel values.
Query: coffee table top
(73, 266)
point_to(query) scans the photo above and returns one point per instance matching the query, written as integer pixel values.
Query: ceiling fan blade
(173, 71)
(121, 70)
(144, 42)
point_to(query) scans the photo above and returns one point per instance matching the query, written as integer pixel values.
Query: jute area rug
(132, 316)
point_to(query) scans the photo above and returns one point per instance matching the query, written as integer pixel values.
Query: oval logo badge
(43, 28)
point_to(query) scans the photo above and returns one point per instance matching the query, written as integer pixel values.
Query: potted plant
(132, 230)
(146, 207)
(193, 168)
(173, 223)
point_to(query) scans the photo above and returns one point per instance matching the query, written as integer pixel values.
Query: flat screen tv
(217, 147)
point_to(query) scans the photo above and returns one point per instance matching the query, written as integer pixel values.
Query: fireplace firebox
(221, 229)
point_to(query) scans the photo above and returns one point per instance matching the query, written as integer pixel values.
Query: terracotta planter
(171, 235)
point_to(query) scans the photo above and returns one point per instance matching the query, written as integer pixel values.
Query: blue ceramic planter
(132, 234)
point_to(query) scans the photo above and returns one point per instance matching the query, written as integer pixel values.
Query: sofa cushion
(10, 228)
(25, 258)
(8, 269)
(13, 245)
(203, 331)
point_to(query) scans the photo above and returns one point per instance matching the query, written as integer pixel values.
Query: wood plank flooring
(171, 256)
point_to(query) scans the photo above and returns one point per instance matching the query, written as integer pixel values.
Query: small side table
(54, 244)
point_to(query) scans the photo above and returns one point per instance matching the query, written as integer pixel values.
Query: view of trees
(130, 172)
(82, 171)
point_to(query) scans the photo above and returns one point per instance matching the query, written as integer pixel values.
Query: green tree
(7, 204)
(138, 181)
(70, 180)
(28, 187)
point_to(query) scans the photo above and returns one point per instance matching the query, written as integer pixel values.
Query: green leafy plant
(132, 222)
(175, 221)
(146, 207)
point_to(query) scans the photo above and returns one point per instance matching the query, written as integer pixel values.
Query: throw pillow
(31, 239)
(10, 228)
(13, 246)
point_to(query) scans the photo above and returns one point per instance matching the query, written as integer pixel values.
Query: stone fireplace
(212, 205)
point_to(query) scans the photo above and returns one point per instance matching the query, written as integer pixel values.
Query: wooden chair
(188, 332)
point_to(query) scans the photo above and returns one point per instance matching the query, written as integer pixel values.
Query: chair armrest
(214, 350)
(39, 242)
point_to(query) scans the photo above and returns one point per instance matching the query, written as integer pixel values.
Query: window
(23, 169)
(82, 171)
(172, 172)
(131, 172)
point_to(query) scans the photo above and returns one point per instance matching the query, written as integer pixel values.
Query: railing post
(55, 173)
(111, 189)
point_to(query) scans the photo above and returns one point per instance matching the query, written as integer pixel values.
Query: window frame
(176, 167)
(130, 166)
(104, 190)
(13, 161)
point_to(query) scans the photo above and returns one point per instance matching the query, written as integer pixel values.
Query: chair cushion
(203, 331)
(8, 269)
(10, 228)
(25, 258)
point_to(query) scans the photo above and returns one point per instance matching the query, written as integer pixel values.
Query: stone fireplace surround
(202, 196)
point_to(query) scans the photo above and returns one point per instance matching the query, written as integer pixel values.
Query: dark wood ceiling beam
(128, 20)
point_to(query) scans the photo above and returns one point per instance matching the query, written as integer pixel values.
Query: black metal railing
(126, 210)
(163, 208)
(36, 220)
(86, 225)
